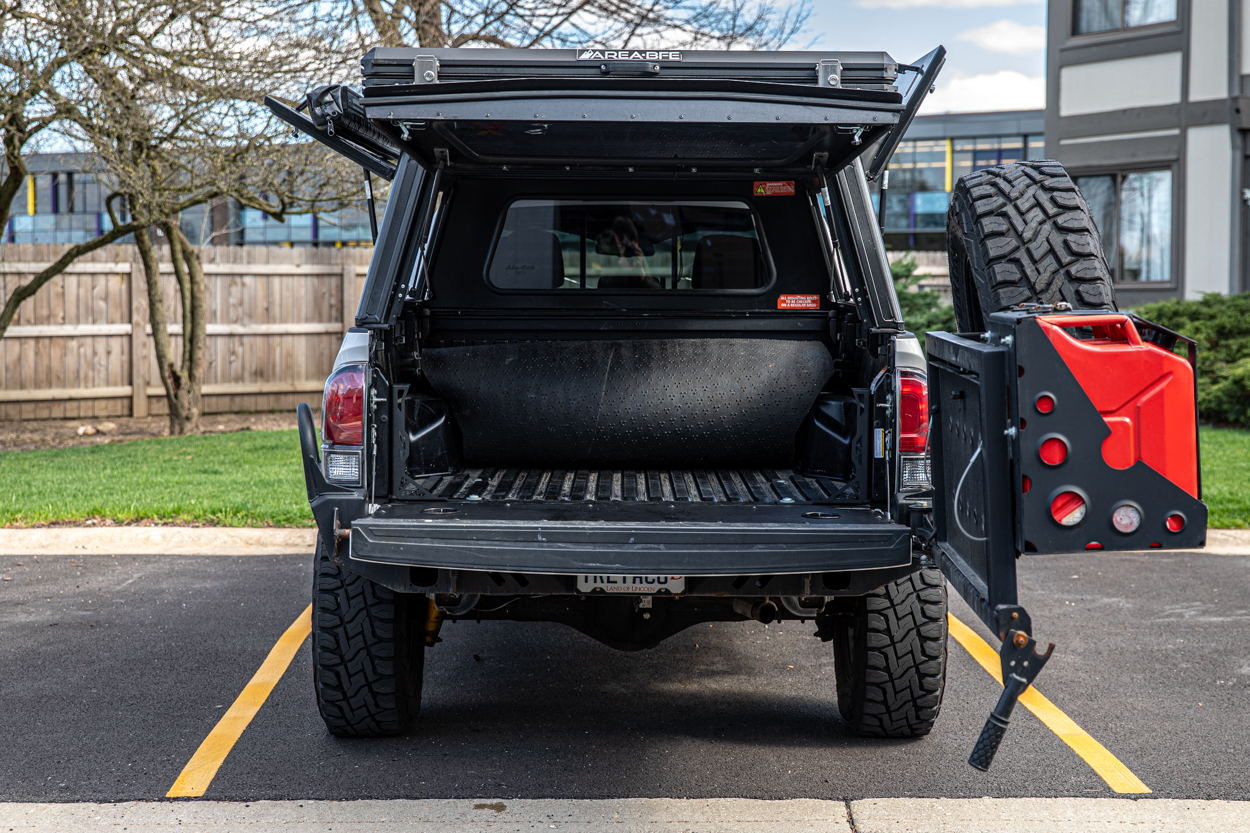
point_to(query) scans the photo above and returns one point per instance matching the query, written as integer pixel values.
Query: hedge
(1221, 326)
(923, 309)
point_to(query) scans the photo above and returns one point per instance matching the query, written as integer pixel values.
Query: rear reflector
(1053, 451)
(1068, 508)
(1126, 518)
(343, 410)
(913, 422)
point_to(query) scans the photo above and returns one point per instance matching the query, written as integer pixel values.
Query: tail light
(343, 424)
(913, 431)
(913, 410)
(343, 412)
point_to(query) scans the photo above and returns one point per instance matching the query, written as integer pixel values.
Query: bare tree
(174, 118)
(713, 24)
(166, 94)
(34, 52)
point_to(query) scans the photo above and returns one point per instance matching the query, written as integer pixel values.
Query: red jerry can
(1144, 392)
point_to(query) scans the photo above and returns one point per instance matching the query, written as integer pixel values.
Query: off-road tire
(1022, 233)
(889, 654)
(368, 652)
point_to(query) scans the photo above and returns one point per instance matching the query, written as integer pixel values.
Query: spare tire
(1022, 233)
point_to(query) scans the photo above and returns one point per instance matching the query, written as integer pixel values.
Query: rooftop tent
(661, 108)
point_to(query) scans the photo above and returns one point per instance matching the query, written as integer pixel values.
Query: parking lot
(117, 667)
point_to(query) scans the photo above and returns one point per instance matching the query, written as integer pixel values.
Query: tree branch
(27, 290)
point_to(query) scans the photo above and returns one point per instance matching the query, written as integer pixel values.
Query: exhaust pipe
(761, 611)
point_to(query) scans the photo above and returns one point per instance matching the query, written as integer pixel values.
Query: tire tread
(365, 664)
(898, 693)
(1025, 234)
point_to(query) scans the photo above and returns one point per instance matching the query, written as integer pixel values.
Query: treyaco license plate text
(644, 585)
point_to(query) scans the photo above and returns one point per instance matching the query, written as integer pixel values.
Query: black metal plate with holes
(979, 385)
(687, 539)
(1085, 471)
(974, 545)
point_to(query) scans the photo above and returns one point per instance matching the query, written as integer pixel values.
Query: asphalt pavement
(115, 668)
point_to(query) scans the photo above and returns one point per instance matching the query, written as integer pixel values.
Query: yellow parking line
(202, 768)
(1109, 768)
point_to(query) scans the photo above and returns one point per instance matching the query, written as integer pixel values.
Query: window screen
(591, 245)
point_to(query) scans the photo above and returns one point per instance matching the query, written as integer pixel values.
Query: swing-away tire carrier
(1056, 432)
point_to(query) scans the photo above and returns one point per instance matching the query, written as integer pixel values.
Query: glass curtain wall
(68, 207)
(348, 226)
(923, 172)
(63, 207)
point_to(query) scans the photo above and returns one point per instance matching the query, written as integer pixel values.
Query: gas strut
(1021, 665)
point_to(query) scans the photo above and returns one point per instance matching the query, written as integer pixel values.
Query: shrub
(1221, 326)
(923, 309)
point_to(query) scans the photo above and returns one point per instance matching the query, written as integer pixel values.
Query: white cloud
(1008, 36)
(944, 4)
(1002, 90)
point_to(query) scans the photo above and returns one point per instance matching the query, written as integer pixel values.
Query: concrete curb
(719, 815)
(218, 540)
(155, 540)
(726, 815)
(1053, 815)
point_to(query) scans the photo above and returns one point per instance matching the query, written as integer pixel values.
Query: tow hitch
(1021, 665)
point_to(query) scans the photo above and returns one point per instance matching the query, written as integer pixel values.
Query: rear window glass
(585, 245)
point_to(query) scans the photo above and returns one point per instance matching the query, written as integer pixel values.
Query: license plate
(642, 585)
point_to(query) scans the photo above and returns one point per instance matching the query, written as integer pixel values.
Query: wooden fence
(82, 346)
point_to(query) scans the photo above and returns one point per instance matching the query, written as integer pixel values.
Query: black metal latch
(1021, 665)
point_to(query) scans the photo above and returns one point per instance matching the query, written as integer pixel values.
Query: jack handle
(1021, 664)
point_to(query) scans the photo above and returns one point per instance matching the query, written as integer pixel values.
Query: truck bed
(692, 485)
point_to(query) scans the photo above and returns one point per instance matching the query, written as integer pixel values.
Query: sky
(995, 49)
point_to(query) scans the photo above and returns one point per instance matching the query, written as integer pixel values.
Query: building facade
(63, 202)
(934, 154)
(1147, 106)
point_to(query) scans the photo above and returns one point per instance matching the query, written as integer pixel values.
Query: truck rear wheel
(1022, 233)
(368, 652)
(889, 654)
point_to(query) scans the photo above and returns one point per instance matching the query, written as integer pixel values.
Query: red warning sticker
(798, 302)
(775, 189)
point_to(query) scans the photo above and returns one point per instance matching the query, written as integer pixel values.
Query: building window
(1090, 16)
(348, 226)
(1134, 214)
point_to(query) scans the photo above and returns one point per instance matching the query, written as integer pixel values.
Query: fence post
(138, 341)
(349, 295)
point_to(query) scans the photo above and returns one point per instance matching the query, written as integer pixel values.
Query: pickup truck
(629, 358)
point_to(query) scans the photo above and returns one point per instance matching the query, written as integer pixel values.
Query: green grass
(247, 478)
(1226, 476)
(253, 478)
